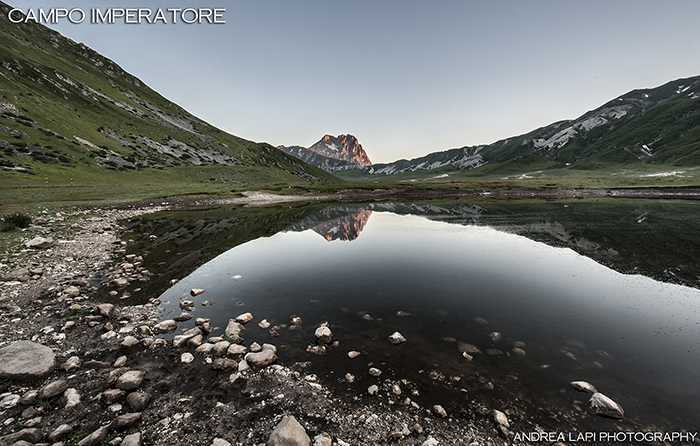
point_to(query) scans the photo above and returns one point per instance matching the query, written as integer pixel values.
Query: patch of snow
(682, 89)
(332, 147)
(670, 173)
(646, 96)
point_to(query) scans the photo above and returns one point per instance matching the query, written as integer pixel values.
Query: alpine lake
(536, 293)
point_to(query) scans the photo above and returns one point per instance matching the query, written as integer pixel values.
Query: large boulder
(289, 433)
(26, 361)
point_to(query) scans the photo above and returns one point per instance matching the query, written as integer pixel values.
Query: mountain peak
(342, 147)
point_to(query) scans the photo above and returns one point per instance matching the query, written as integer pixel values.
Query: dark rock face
(342, 147)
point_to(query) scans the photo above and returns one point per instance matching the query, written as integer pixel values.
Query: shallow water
(636, 339)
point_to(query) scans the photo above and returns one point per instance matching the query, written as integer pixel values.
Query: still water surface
(636, 339)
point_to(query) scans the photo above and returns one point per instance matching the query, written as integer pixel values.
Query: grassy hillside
(71, 116)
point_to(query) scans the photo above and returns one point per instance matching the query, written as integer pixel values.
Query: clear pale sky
(405, 77)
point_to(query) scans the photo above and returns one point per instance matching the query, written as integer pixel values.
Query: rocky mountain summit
(332, 154)
(344, 147)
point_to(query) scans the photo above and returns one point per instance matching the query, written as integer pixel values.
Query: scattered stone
(224, 364)
(316, 349)
(72, 398)
(466, 347)
(236, 349)
(26, 361)
(93, 364)
(187, 304)
(375, 372)
(138, 401)
(126, 421)
(244, 318)
(27, 397)
(130, 380)
(207, 303)
(519, 351)
(501, 418)
(349, 377)
(61, 431)
(71, 291)
(430, 441)
(439, 411)
(264, 324)
(353, 354)
(294, 320)
(166, 326)
(396, 389)
(220, 442)
(183, 317)
(72, 364)
(132, 440)
(323, 439)
(323, 335)
(204, 348)
(186, 358)
(396, 338)
(53, 389)
(373, 389)
(496, 336)
(255, 347)
(95, 438)
(30, 435)
(111, 396)
(196, 291)
(120, 362)
(39, 243)
(220, 348)
(121, 282)
(289, 433)
(261, 359)
(583, 386)
(106, 310)
(233, 328)
(130, 344)
(604, 406)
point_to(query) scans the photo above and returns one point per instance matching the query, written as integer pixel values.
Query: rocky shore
(78, 370)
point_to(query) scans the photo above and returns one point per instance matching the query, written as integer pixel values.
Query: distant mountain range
(654, 127)
(68, 113)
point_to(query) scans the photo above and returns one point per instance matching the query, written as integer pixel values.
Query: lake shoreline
(51, 300)
(56, 304)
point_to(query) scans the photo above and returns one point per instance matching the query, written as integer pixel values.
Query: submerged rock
(583, 386)
(323, 334)
(604, 406)
(396, 338)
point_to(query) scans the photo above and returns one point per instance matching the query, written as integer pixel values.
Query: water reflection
(541, 316)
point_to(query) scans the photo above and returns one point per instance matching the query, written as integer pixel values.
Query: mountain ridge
(654, 126)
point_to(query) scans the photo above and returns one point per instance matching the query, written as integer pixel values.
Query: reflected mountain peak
(335, 223)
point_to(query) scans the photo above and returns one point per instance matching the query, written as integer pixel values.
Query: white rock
(396, 338)
(186, 357)
(500, 418)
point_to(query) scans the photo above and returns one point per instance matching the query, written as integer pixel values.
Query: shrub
(14, 221)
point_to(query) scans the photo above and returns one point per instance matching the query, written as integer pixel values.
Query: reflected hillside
(649, 237)
(653, 238)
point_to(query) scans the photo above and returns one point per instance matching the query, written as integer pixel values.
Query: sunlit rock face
(343, 147)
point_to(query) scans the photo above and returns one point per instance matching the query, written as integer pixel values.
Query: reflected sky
(555, 300)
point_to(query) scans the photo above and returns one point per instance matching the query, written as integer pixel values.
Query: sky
(406, 77)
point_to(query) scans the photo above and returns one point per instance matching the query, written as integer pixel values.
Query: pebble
(186, 358)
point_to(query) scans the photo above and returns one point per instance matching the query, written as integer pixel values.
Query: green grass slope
(71, 116)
